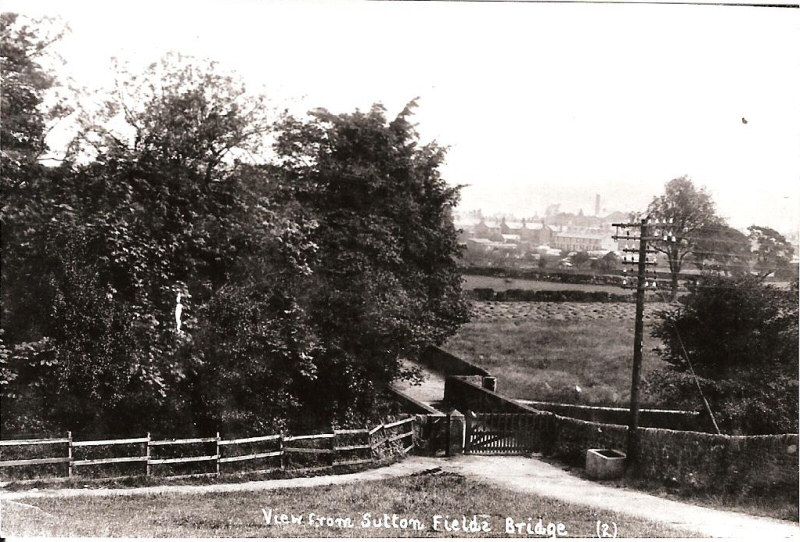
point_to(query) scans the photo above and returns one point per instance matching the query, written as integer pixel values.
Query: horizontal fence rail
(42, 461)
(249, 440)
(338, 448)
(34, 442)
(182, 441)
(142, 440)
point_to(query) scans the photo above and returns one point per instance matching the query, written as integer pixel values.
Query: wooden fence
(287, 453)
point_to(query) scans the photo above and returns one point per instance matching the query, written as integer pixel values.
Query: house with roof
(532, 233)
(489, 230)
(578, 242)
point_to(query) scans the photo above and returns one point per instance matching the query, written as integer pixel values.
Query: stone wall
(720, 463)
(682, 420)
(464, 395)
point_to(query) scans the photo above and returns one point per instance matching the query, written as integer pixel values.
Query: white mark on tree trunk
(178, 311)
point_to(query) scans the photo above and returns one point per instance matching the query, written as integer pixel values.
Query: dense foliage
(385, 281)
(688, 211)
(771, 252)
(740, 337)
(165, 279)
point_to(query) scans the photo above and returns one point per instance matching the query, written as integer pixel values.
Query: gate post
(468, 425)
(456, 432)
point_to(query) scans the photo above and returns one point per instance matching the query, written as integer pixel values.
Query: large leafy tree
(386, 282)
(689, 212)
(91, 288)
(739, 338)
(181, 111)
(772, 252)
(722, 249)
(24, 45)
(26, 203)
(163, 279)
(607, 263)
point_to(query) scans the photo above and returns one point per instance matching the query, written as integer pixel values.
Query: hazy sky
(539, 103)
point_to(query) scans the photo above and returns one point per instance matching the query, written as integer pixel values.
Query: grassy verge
(122, 482)
(417, 498)
(777, 506)
(550, 360)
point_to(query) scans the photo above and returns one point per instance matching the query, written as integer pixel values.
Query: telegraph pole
(633, 438)
(646, 233)
(641, 285)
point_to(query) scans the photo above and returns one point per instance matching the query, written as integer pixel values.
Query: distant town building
(577, 242)
(534, 233)
(532, 236)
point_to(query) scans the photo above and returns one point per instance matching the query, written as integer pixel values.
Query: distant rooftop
(581, 235)
(526, 225)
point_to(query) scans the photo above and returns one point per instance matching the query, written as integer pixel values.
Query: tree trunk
(674, 269)
(673, 292)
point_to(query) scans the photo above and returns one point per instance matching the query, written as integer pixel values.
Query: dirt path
(535, 476)
(516, 473)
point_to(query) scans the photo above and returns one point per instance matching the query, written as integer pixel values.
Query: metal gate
(502, 433)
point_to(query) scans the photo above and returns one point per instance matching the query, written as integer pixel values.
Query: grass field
(498, 284)
(243, 514)
(550, 351)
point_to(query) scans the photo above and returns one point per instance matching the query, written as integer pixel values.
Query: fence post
(283, 454)
(333, 446)
(468, 431)
(447, 436)
(217, 453)
(369, 441)
(69, 453)
(372, 436)
(147, 455)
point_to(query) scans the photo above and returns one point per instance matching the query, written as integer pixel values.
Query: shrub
(740, 337)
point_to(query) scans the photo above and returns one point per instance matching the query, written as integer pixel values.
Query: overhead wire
(691, 369)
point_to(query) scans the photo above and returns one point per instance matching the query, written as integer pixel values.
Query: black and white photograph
(392, 269)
